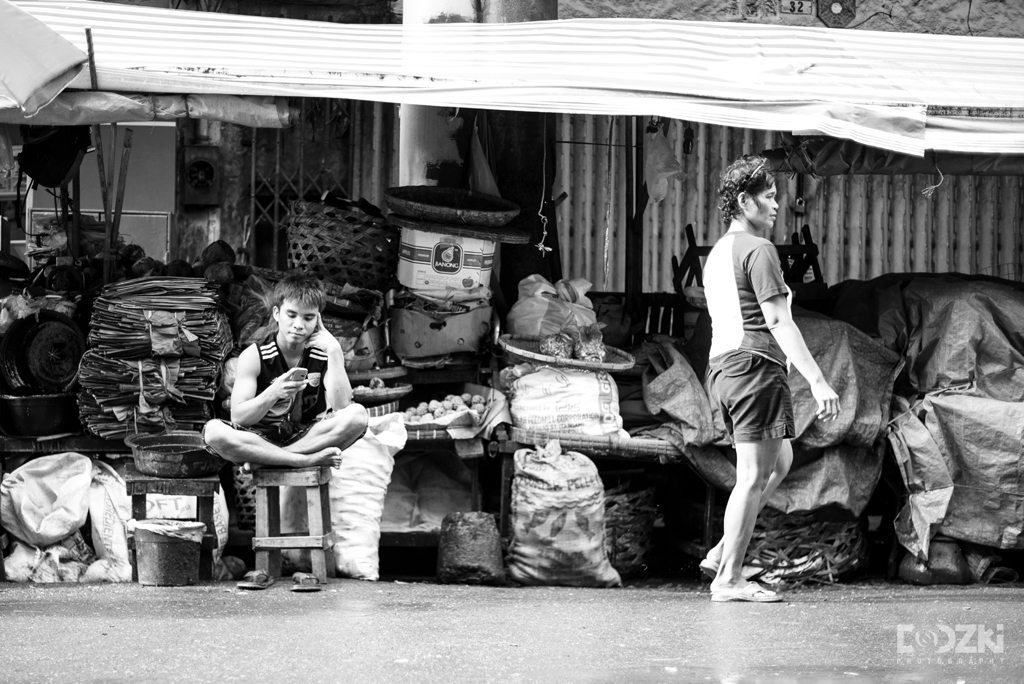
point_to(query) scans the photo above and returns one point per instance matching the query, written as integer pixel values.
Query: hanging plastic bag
(660, 166)
(545, 309)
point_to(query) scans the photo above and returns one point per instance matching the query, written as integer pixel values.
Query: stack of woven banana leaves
(156, 349)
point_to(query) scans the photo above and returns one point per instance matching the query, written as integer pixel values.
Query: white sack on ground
(558, 520)
(110, 508)
(47, 499)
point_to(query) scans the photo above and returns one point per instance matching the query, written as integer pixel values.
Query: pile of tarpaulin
(156, 349)
(958, 407)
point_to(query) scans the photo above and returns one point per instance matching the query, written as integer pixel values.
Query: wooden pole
(108, 245)
(636, 197)
(75, 238)
(122, 181)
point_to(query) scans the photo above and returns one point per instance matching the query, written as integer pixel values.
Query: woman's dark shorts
(753, 394)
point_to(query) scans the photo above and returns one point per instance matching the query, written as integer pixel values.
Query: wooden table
(203, 488)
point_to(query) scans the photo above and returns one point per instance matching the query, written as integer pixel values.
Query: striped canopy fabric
(905, 92)
(36, 63)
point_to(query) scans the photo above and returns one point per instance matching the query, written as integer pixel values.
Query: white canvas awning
(904, 92)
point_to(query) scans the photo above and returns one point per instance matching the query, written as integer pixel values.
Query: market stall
(429, 271)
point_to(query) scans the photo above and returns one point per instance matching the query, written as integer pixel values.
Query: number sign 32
(798, 7)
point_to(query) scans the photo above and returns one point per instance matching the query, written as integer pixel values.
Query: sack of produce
(558, 520)
(551, 399)
(546, 309)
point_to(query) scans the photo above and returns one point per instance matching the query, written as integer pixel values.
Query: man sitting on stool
(291, 405)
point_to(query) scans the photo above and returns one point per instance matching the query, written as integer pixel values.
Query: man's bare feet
(331, 456)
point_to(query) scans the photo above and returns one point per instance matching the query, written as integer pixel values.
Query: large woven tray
(526, 349)
(450, 205)
(510, 236)
(382, 409)
(367, 396)
(644, 448)
(358, 376)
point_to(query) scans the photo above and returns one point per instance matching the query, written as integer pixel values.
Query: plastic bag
(660, 167)
(558, 520)
(545, 309)
(171, 507)
(562, 400)
(65, 561)
(47, 499)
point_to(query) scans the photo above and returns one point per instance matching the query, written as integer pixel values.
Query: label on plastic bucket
(189, 530)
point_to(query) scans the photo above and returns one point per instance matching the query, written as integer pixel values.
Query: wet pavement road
(418, 632)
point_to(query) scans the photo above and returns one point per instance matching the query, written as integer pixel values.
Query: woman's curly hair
(751, 174)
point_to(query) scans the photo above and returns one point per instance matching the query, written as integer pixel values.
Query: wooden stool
(269, 542)
(203, 488)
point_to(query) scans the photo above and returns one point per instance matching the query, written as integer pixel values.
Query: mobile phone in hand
(297, 374)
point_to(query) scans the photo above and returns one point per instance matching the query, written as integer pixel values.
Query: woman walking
(753, 337)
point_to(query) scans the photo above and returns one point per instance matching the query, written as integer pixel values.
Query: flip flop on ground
(753, 593)
(303, 581)
(709, 568)
(255, 579)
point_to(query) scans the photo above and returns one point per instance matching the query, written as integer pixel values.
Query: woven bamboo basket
(526, 349)
(628, 527)
(382, 409)
(342, 245)
(245, 498)
(641, 448)
(797, 548)
(450, 205)
(383, 373)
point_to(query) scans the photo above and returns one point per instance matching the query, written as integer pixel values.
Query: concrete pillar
(524, 160)
(433, 142)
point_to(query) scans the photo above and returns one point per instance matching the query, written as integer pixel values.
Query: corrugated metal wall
(864, 225)
(374, 161)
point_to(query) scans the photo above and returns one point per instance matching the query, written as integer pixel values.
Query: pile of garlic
(429, 412)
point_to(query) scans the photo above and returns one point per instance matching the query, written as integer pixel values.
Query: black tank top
(290, 415)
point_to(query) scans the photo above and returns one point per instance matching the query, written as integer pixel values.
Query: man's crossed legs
(321, 444)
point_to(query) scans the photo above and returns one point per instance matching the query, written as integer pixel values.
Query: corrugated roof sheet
(874, 87)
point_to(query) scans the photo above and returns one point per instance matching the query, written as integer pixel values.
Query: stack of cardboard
(157, 346)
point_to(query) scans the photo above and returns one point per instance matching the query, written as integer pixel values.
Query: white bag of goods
(550, 399)
(357, 490)
(546, 309)
(47, 499)
(110, 508)
(558, 520)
